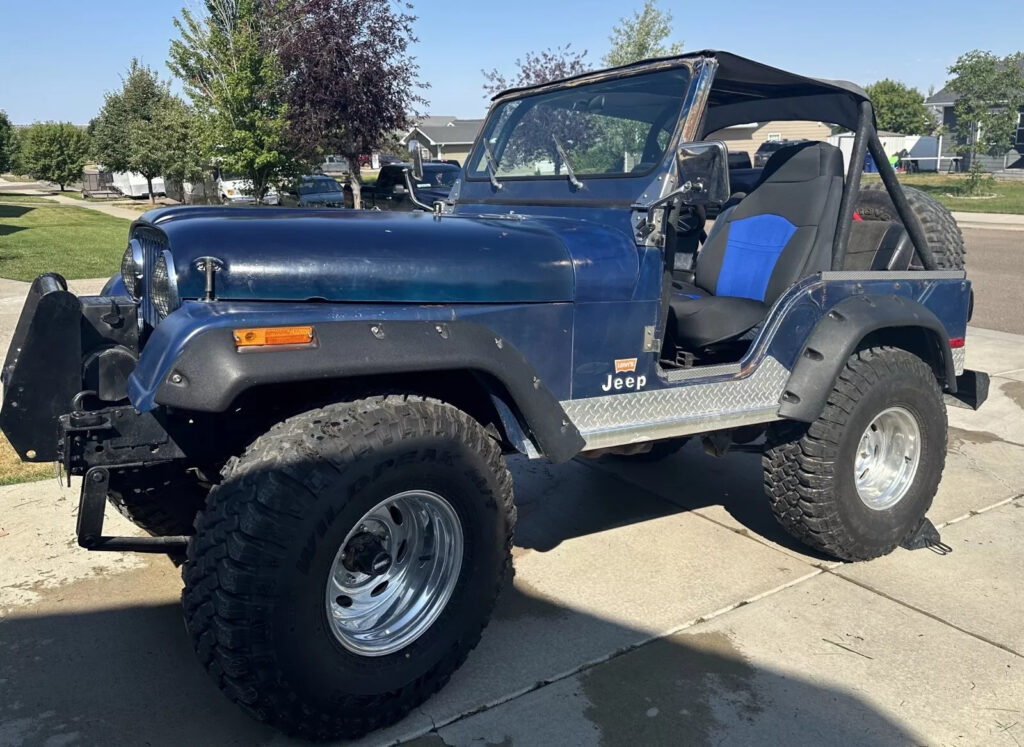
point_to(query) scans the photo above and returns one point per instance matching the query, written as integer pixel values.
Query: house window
(774, 137)
(1019, 140)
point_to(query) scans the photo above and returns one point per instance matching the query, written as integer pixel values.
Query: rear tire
(819, 477)
(940, 228)
(267, 548)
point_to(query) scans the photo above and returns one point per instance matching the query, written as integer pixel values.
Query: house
(748, 137)
(942, 105)
(445, 138)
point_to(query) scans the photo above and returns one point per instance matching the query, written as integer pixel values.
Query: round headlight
(163, 286)
(131, 269)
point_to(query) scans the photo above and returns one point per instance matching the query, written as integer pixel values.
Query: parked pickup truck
(391, 192)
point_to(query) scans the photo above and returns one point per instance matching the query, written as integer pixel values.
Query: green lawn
(13, 470)
(45, 237)
(1006, 197)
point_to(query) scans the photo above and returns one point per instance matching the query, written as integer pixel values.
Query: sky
(58, 57)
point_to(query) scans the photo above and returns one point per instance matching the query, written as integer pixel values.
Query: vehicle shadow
(560, 502)
(125, 675)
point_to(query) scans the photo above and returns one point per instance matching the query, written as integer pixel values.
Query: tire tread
(231, 559)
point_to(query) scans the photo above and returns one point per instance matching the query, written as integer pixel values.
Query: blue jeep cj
(309, 409)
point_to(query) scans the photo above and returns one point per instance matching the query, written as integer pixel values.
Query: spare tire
(940, 228)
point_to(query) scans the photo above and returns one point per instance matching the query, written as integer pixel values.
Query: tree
(351, 79)
(536, 68)
(55, 152)
(990, 93)
(183, 153)
(7, 143)
(229, 65)
(130, 133)
(900, 108)
(535, 129)
(642, 36)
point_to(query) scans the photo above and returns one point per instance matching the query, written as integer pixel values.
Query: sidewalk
(99, 207)
(992, 221)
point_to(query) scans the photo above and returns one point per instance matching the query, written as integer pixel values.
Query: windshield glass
(610, 127)
(434, 177)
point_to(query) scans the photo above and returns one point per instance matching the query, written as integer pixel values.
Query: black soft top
(747, 91)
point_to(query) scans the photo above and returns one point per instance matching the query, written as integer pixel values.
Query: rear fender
(883, 317)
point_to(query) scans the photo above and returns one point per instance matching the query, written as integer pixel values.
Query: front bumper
(66, 350)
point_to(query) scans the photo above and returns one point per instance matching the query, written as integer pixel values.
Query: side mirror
(703, 170)
(410, 192)
(416, 156)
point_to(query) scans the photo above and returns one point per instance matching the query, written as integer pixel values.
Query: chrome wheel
(887, 458)
(394, 573)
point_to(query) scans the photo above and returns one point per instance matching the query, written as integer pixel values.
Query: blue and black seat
(780, 233)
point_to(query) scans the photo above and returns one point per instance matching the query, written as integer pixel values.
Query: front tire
(857, 481)
(304, 533)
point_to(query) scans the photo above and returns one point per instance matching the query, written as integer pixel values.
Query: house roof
(945, 97)
(436, 120)
(453, 132)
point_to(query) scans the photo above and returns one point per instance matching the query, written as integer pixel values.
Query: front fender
(836, 336)
(205, 371)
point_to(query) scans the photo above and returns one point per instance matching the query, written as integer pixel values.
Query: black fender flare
(836, 336)
(211, 372)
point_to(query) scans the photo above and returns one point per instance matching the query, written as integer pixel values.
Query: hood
(366, 256)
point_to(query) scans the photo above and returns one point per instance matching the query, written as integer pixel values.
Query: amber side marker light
(267, 336)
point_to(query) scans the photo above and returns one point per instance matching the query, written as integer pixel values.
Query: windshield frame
(681, 115)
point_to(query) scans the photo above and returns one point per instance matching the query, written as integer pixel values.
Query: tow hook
(365, 554)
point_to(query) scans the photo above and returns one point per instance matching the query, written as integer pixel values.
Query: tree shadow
(14, 211)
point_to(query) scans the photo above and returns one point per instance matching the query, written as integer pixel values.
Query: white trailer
(133, 184)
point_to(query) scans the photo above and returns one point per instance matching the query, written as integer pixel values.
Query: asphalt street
(995, 265)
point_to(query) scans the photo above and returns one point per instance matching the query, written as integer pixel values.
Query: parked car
(391, 191)
(739, 159)
(235, 189)
(315, 190)
(766, 149)
(311, 410)
(334, 165)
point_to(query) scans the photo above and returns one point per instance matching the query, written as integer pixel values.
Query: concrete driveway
(651, 604)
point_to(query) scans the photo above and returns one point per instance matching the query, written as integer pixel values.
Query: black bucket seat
(780, 233)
